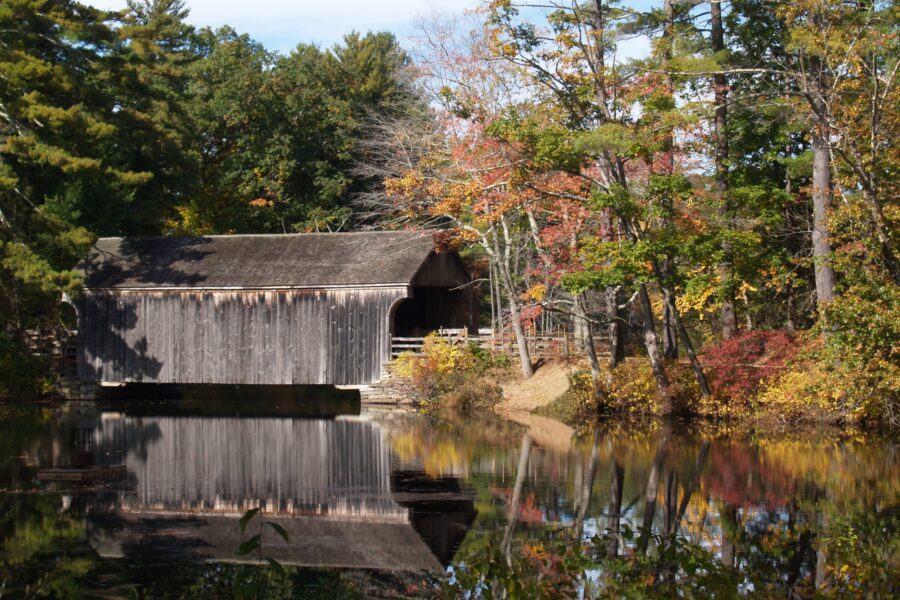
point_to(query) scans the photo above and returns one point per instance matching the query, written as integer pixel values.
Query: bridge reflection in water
(328, 482)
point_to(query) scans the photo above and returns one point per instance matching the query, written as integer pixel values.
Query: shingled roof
(258, 261)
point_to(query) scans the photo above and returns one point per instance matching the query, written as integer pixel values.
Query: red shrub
(737, 366)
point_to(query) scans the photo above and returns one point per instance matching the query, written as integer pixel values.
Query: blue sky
(282, 24)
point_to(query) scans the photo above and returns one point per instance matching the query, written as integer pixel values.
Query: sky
(281, 24)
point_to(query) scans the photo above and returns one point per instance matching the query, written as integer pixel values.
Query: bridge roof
(306, 260)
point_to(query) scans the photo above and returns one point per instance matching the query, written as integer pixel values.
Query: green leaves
(549, 144)
(281, 531)
(607, 264)
(254, 542)
(614, 138)
(249, 546)
(275, 565)
(279, 135)
(617, 198)
(247, 517)
(253, 583)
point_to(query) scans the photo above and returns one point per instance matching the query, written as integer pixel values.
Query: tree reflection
(648, 511)
(782, 526)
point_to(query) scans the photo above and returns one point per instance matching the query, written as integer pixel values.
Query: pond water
(387, 504)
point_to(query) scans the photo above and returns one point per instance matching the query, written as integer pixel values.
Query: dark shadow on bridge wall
(105, 320)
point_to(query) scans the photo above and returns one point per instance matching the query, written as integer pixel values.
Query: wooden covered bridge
(262, 309)
(331, 483)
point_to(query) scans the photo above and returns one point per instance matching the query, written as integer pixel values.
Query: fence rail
(547, 346)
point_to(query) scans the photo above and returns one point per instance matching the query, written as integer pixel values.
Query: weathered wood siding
(330, 336)
(300, 466)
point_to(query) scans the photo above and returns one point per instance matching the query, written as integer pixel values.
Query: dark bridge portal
(432, 303)
(431, 309)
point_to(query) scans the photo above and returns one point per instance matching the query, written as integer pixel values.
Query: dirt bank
(522, 396)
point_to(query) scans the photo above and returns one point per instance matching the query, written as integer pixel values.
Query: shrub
(470, 395)
(577, 405)
(861, 351)
(850, 371)
(801, 393)
(452, 374)
(22, 377)
(736, 367)
(632, 389)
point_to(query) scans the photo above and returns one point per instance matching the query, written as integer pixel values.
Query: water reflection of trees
(623, 511)
(761, 515)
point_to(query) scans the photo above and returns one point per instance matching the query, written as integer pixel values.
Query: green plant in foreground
(249, 586)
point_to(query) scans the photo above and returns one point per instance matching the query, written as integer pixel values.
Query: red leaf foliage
(737, 366)
(739, 476)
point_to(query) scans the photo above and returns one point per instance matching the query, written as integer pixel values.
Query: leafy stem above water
(250, 586)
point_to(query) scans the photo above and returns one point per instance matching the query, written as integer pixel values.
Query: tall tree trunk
(516, 323)
(651, 342)
(688, 345)
(720, 95)
(587, 487)
(588, 342)
(670, 333)
(579, 326)
(607, 224)
(501, 325)
(821, 184)
(493, 298)
(614, 169)
(503, 265)
(670, 329)
(583, 332)
(668, 45)
(648, 326)
(614, 327)
(615, 508)
(512, 511)
(821, 196)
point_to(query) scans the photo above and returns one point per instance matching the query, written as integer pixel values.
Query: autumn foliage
(451, 374)
(737, 366)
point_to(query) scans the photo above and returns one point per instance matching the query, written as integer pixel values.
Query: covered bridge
(261, 309)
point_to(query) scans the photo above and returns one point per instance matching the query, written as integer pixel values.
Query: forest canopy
(136, 123)
(724, 207)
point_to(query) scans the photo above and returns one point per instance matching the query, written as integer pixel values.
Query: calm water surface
(380, 503)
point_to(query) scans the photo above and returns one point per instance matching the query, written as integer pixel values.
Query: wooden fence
(561, 344)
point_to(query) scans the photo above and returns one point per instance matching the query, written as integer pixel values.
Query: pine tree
(55, 123)
(148, 76)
